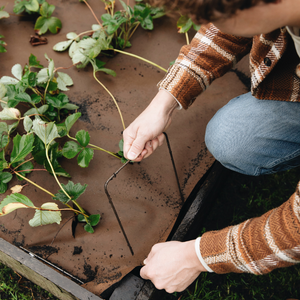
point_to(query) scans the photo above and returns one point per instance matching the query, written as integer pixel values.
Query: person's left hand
(172, 266)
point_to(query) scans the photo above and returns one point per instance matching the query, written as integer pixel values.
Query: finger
(136, 148)
(143, 273)
(161, 139)
(128, 140)
(141, 156)
(151, 146)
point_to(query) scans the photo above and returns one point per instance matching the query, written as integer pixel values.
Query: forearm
(209, 56)
(258, 245)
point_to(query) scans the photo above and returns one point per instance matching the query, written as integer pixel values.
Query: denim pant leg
(254, 136)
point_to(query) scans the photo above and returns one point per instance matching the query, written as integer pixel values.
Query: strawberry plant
(45, 21)
(48, 118)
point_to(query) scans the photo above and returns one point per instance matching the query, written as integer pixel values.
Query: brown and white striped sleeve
(258, 245)
(209, 56)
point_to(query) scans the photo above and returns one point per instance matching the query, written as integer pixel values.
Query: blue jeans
(255, 137)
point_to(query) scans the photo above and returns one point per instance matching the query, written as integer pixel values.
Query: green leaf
(62, 130)
(94, 219)
(32, 5)
(88, 228)
(3, 90)
(71, 149)
(3, 14)
(17, 71)
(8, 80)
(33, 62)
(10, 114)
(5, 177)
(15, 198)
(46, 9)
(43, 24)
(70, 106)
(32, 81)
(147, 23)
(81, 218)
(64, 80)
(3, 127)
(121, 144)
(22, 147)
(43, 76)
(70, 120)
(23, 97)
(3, 140)
(84, 157)
(45, 131)
(27, 123)
(62, 46)
(41, 110)
(73, 190)
(184, 24)
(73, 36)
(44, 217)
(83, 138)
(12, 127)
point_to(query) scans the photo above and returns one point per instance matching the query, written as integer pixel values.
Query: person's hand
(144, 134)
(172, 266)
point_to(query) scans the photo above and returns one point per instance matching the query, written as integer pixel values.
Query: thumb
(136, 148)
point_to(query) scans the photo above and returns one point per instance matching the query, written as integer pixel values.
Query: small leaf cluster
(185, 23)
(115, 33)
(3, 14)
(123, 23)
(45, 21)
(72, 148)
(40, 92)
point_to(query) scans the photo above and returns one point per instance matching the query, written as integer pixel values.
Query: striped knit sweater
(271, 241)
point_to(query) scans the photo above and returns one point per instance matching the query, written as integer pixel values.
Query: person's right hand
(145, 133)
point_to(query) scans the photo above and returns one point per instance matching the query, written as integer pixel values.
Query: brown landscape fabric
(145, 194)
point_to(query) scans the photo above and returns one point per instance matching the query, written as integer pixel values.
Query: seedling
(184, 24)
(45, 21)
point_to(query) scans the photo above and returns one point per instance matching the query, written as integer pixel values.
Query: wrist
(164, 101)
(193, 257)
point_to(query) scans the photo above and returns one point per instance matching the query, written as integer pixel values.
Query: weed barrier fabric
(145, 194)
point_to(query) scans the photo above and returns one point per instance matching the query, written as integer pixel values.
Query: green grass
(240, 198)
(15, 287)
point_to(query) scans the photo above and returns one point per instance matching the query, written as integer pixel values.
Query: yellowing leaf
(17, 188)
(12, 206)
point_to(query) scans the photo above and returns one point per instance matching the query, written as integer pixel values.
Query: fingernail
(132, 155)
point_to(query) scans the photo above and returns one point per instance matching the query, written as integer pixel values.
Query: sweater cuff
(197, 248)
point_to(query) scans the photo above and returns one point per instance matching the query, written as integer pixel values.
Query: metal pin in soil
(113, 207)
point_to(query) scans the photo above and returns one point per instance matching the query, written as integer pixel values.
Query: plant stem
(35, 184)
(24, 162)
(52, 169)
(46, 90)
(135, 28)
(139, 57)
(93, 13)
(53, 172)
(187, 38)
(111, 95)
